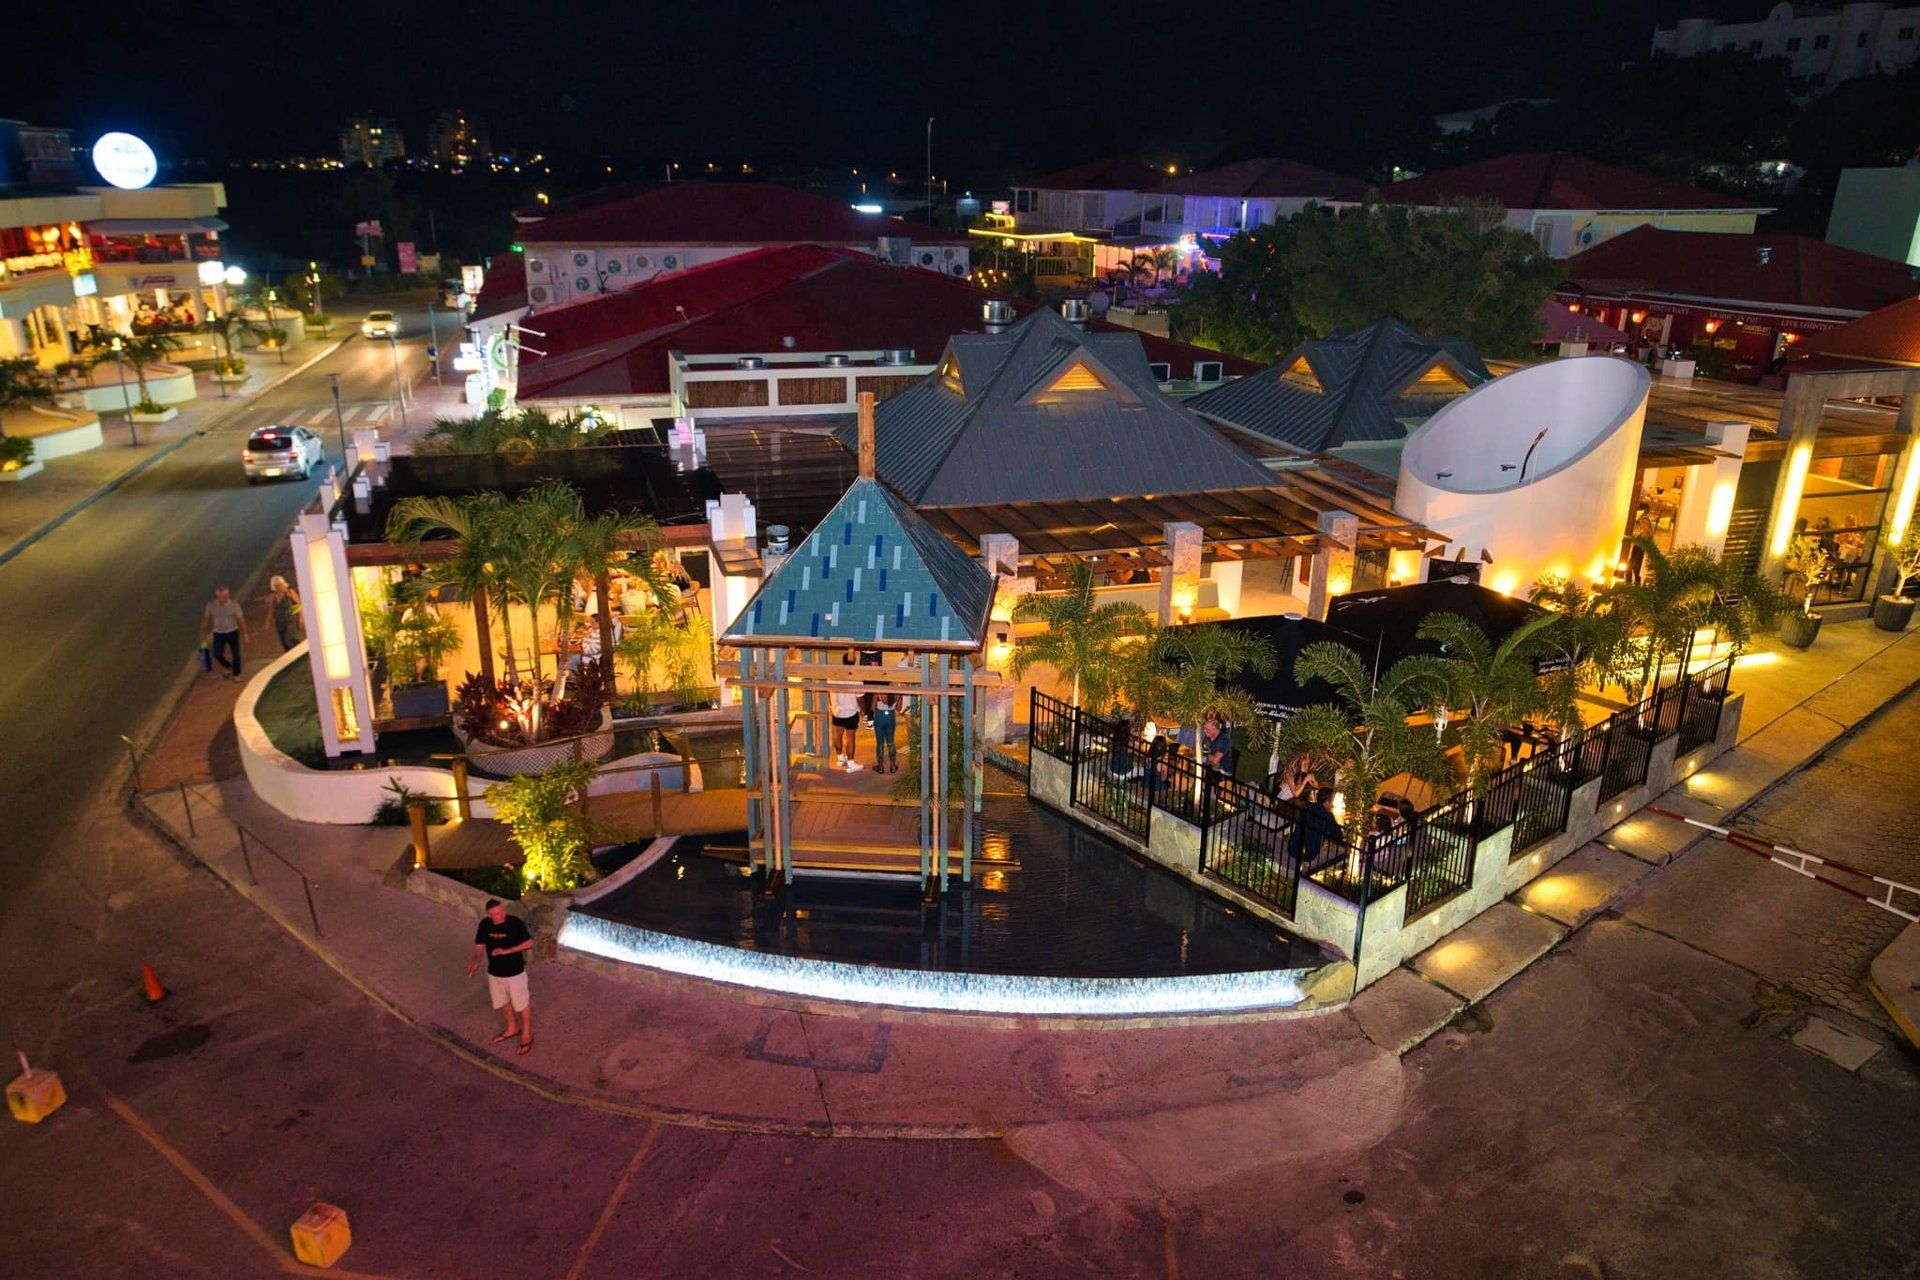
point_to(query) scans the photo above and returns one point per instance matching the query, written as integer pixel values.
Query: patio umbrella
(1289, 633)
(1391, 616)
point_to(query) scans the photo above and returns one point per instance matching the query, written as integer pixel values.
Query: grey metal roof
(1364, 376)
(872, 573)
(1002, 438)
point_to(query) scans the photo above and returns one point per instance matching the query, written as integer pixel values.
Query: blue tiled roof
(872, 573)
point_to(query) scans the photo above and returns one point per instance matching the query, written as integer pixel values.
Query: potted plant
(1812, 564)
(420, 640)
(23, 385)
(16, 458)
(1893, 612)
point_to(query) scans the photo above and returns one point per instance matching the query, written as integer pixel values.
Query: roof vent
(1765, 254)
(997, 314)
(838, 362)
(897, 355)
(750, 362)
(1075, 312)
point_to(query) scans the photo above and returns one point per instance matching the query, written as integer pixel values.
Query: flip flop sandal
(526, 1046)
(505, 1036)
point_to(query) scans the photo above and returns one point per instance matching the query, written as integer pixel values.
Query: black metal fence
(1263, 845)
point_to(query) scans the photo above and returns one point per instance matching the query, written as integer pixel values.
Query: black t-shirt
(510, 932)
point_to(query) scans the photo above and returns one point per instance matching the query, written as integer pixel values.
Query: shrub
(15, 452)
(554, 837)
(232, 367)
(392, 812)
(494, 712)
(149, 405)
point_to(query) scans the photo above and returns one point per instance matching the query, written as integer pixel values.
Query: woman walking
(886, 707)
(283, 610)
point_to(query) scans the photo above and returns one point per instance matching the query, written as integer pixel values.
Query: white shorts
(501, 990)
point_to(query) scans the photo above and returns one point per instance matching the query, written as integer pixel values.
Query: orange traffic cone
(155, 992)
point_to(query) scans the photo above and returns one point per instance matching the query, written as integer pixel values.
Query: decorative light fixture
(1712, 326)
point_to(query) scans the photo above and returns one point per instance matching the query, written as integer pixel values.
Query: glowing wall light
(1507, 583)
(327, 602)
(1903, 505)
(1789, 508)
(1720, 509)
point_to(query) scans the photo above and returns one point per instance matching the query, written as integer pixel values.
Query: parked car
(380, 324)
(453, 294)
(274, 452)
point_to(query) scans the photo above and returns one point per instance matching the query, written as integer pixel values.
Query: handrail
(186, 789)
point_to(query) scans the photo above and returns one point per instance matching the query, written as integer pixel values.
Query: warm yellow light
(1720, 509)
(1598, 569)
(1185, 596)
(1506, 583)
(1789, 508)
(1903, 505)
(326, 608)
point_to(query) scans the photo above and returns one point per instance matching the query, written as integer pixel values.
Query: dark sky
(1014, 85)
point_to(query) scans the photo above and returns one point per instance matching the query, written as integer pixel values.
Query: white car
(380, 324)
(274, 452)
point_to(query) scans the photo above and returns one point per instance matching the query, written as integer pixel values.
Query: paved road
(99, 619)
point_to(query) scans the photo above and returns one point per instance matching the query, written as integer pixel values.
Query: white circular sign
(125, 161)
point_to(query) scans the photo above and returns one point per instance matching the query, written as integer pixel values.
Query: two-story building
(1569, 203)
(1823, 46)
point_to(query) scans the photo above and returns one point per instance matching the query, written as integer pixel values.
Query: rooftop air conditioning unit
(958, 269)
(538, 293)
(670, 263)
(1162, 370)
(926, 257)
(641, 262)
(581, 259)
(537, 266)
(1209, 371)
(583, 284)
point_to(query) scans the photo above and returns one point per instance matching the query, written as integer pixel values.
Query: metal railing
(250, 841)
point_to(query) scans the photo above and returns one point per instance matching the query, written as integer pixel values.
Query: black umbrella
(1391, 616)
(1290, 633)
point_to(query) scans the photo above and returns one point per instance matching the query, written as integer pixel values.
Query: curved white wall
(1570, 513)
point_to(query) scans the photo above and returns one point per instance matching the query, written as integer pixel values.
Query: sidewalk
(690, 1052)
(31, 509)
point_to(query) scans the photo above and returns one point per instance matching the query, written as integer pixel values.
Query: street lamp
(339, 420)
(313, 277)
(126, 396)
(280, 343)
(399, 388)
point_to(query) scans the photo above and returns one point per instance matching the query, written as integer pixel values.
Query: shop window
(1822, 42)
(1793, 44)
(1370, 570)
(1843, 506)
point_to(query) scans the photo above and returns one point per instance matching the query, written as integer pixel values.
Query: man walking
(502, 941)
(225, 623)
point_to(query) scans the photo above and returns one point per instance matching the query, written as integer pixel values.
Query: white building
(1240, 197)
(1877, 211)
(1823, 46)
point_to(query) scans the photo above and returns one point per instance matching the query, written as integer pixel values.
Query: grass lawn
(291, 717)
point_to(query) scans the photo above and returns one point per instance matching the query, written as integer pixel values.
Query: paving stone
(1483, 953)
(1403, 1009)
(1843, 1047)
(1581, 883)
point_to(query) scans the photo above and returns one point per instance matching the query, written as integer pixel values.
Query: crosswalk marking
(366, 414)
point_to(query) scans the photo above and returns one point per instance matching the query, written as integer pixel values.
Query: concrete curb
(238, 402)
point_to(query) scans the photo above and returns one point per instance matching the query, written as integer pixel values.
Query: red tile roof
(1270, 179)
(1555, 180)
(824, 299)
(1890, 335)
(757, 213)
(504, 288)
(1100, 175)
(1799, 272)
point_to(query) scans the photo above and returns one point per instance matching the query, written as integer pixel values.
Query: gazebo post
(942, 774)
(926, 765)
(969, 703)
(783, 753)
(750, 765)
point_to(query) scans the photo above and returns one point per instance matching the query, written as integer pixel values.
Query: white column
(336, 649)
(1180, 579)
(730, 518)
(1001, 554)
(1332, 560)
(1706, 504)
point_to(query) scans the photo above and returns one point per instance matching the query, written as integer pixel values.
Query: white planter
(230, 378)
(31, 469)
(165, 415)
(505, 762)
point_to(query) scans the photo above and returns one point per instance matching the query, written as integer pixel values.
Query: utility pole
(929, 170)
(433, 342)
(399, 387)
(340, 421)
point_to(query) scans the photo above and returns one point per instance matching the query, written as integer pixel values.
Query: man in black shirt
(502, 941)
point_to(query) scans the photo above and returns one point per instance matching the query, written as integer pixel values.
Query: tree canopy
(1459, 270)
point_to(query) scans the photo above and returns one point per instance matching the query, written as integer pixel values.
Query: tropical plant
(393, 809)
(141, 351)
(1083, 641)
(662, 655)
(1496, 685)
(1181, 675)
(1368, 740)
(524, 433)
(1906, 567)
(542, 811)
(474, 530)
(524, 713)
(228, 328)
(15, 452)
(420, 639)
(23, 384)
(1809, 560)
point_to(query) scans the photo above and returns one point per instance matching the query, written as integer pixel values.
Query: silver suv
(274, 452)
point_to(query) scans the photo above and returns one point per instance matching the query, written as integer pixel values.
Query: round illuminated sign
(125, 161)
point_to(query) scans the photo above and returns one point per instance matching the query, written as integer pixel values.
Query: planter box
(1798, 629)
(505, 762)
(419, 701)
(165, 415)
(21, 473)
(1891, 613)
(230, 378)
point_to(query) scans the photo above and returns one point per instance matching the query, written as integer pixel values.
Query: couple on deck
(880, 707)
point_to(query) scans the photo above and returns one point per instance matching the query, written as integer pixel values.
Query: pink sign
(409, 260)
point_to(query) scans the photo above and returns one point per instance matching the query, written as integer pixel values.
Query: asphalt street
(100, 619)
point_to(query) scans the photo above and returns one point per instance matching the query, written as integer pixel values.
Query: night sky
(1015, 86)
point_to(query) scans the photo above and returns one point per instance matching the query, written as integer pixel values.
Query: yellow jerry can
(35, 1095)
(321, 1235)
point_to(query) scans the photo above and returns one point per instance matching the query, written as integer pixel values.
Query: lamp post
(433, 342)
(313, 278)
(279, 344)
(399, 388)
(126, 396)
(339, 420)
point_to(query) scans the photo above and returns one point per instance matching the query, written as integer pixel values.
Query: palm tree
(1181, 675)
(1369, 740)
(474, 525)
(23, 384)
(1082, 640)
(229, 327)
(143, 351)
(1496, 685)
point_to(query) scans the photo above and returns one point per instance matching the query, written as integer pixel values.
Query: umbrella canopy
(1289, 633)
(1391, 616)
